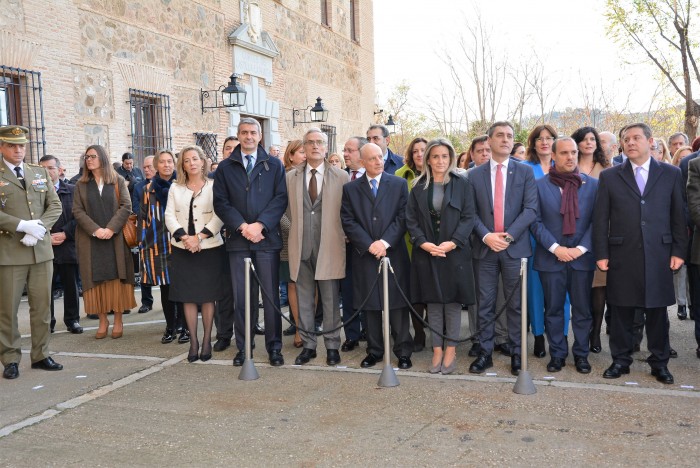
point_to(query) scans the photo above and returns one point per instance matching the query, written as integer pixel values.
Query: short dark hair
(564, 138)
(50, 157)
(644, 127)
(678, 134)
(500, 123)
(385, 131)
(126, 156)
(476, 141)
(230, 138)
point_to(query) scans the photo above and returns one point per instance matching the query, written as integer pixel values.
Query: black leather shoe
(474, 350)
(126, 312)
(582, 365)
(615, 371)
(11, 371)
(184, 336)
(332, 357)
(539, 351)
(291, 330)
(305, 356)
(515, 365)
(682, 313)
(52, 326)
(405, 362)
(144, 308)
(192, 357)
(636, 348)
(555, 364)
(276, 358)
(259, 330)
(349, 345)
(93, 316)
(75, 328)
(662, 375)
(369, 361)
(47, 364)
(239, 359)
(673, 353)
(168, 336)
(221, 344)
(481, 363)
(504, 349)
(363, 335)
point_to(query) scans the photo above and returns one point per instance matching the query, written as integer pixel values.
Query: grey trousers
(447, 317)
(329, 296)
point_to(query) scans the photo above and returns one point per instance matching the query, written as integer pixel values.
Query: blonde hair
(182, 177)
(427, 175)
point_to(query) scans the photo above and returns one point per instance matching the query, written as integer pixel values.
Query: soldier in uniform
(29, 206)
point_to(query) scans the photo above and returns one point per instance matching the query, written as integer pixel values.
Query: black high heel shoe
(193, 357)
(205, 357)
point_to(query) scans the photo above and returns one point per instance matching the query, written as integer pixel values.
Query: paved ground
(136, 402)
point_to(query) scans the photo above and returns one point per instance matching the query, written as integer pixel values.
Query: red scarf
(569, 183)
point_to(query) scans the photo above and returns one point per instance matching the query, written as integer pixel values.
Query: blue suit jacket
(520, 207)
(548, 227)
(393, 162)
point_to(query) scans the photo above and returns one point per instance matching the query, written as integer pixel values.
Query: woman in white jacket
(197, 246)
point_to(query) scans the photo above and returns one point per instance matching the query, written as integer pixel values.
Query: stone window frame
(23, 104)
(327, 13)
(355, 21)
(151, 128)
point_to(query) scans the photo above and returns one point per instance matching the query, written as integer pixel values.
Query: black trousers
(223, 315)
(174, 316)
(398, 323)
(68, 274)
(622, 335)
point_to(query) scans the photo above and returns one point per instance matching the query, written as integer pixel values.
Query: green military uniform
(20, 264)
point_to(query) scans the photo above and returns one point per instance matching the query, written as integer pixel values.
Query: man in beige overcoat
(317, 243)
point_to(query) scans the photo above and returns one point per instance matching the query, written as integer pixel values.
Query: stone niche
(92, 92)
(97, 135)
(12, 15)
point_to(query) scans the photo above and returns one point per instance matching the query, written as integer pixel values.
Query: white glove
(29, 240)
(33, 227)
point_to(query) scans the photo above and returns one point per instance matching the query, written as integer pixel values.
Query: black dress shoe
(332, 357)
(662, 375)
(184, 336)
(481, 363)
(126, 312)
(349, 345)
(47, 364)
(93, 316)
(276, 358)
(192, 357)
(75, 328)
(291, 330)
(615, 371)
(673, 353)
(369, 361)
(239, 359)
(363, 335)
(682, 313)
(305, 356)
(259, 330)
(596, 349)
(168, 336)
(475, 350)
(504, 349)
(52, 326)
(405, 362)
(555, 364)
(221, 344)
(515, 364)
(539, 351)
(318, 328)
(144, 308)
(582, 365)
(11, 371)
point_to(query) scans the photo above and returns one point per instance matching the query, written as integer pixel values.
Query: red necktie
(498, 201)
(354, 175)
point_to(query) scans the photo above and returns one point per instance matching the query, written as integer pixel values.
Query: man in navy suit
(640, 238)
(373, 214)
(506, 205)
(379, 135)
(563, 255)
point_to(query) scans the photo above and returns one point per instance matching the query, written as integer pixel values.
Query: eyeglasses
(91, 156)
(544, 139)
(315, 142)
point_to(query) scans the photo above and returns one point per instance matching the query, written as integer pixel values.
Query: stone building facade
(128, 74)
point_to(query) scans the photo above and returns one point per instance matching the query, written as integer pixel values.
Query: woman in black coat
(440, 217)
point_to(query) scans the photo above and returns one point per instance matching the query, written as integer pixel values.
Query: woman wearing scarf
(563, 256)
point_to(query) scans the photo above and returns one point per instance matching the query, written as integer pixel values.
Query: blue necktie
(249, 166)
(373, 183)
(639, 179)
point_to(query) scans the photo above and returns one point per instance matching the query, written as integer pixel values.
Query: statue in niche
(253, 17)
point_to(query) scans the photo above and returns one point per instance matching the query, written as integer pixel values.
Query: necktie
(373, 183)
(20, 178)
(313, 188)
(498, 200)
(354, 175)
(249, 166)
(639, 179)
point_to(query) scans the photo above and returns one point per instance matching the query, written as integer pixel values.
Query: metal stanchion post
(523, 384)
(248, 371)
(388, 376)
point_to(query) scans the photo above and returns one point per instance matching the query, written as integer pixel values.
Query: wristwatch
(199, 236)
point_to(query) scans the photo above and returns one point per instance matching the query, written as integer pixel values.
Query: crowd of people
(605, 220)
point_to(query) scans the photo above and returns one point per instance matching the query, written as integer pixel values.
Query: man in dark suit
(563, 254)
(640, 238)
(65, 260)
(379, 135)
(506, 205)
(373, 214)
(131, 174)
(693, 191)
(250, 197)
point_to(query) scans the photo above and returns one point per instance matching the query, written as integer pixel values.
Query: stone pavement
(136, 402)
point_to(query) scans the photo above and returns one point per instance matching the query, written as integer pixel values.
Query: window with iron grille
(329, 130)
(207, 141)
(21, 103)
(150, 123)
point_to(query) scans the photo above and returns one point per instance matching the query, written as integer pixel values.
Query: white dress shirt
(319, 176)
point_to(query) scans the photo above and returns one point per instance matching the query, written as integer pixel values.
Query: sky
(570, 35)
